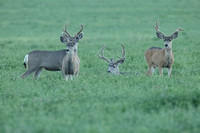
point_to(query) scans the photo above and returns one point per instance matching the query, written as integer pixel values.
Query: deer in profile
(52, 60)
(161, 57)
(113, 66)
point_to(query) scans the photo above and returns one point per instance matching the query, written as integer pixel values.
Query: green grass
(97, 102)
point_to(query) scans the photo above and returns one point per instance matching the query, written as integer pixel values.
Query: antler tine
(157, 26)
(102, 56)
(121, 60)
(179, 29)
(80, 29)
(123, 51)
(65, 30)
(157, 29)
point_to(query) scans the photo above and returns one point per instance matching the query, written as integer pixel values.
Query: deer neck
(117, 71)
(168, 50)
(76, 48)
(69, 55)
(168, 55)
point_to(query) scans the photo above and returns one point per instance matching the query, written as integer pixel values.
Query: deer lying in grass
(52, 60)
(161, 57)
(113, 66)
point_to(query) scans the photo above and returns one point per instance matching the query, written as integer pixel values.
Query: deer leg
(76, 75)
(38, 72)
(71, 77)
(28, 72)
(153, 69)
(66, 77)
(150, 70)
(169, 71)
(63, 72)
(160, 71)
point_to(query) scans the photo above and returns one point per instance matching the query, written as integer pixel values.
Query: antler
(179, 29)
(158, 31)
(175, 34)
(65, 30)
(80, 29)
(157, 26)
(122, 59)
(102, 56)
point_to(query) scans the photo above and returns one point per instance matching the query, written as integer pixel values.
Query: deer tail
(25, 60)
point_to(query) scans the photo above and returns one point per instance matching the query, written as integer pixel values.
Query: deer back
(50, 60)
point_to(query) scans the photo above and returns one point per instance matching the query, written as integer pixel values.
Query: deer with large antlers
(55, 60)
(113, 66)
(71, 61)
(161, 57)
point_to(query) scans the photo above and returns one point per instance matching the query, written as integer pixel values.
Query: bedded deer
(52, 60)
(161, 57)
(113, 66)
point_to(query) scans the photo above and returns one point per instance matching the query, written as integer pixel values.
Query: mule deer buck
(53, 60)
(71, 61)
(161, 57)
(113, 66)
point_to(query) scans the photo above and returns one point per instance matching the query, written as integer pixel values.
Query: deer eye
(113, 66)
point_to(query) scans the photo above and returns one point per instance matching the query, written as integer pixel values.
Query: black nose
(108, 71)
(166, 45)
(67, 50)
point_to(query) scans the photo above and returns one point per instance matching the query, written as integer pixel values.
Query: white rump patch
(26, 59)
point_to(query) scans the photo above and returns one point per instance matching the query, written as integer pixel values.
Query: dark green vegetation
(97, 102)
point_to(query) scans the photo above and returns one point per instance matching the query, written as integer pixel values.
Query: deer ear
(80, 35)
(61, 39)
(160, 35)
(174, 35)
(122, 61)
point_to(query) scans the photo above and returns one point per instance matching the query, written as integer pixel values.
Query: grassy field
(97, 102)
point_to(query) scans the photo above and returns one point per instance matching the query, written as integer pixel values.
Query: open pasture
(97, 102)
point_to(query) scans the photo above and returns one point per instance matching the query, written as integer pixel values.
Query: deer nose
(166, 45)
(67, 50)
(108, 71)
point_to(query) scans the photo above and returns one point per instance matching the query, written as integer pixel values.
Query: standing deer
(113, 66)
(161, 57)
(51, 60)
(71, 61)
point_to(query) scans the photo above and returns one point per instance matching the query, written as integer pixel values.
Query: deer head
(71, 41)
(113, 66)
(167, 39)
